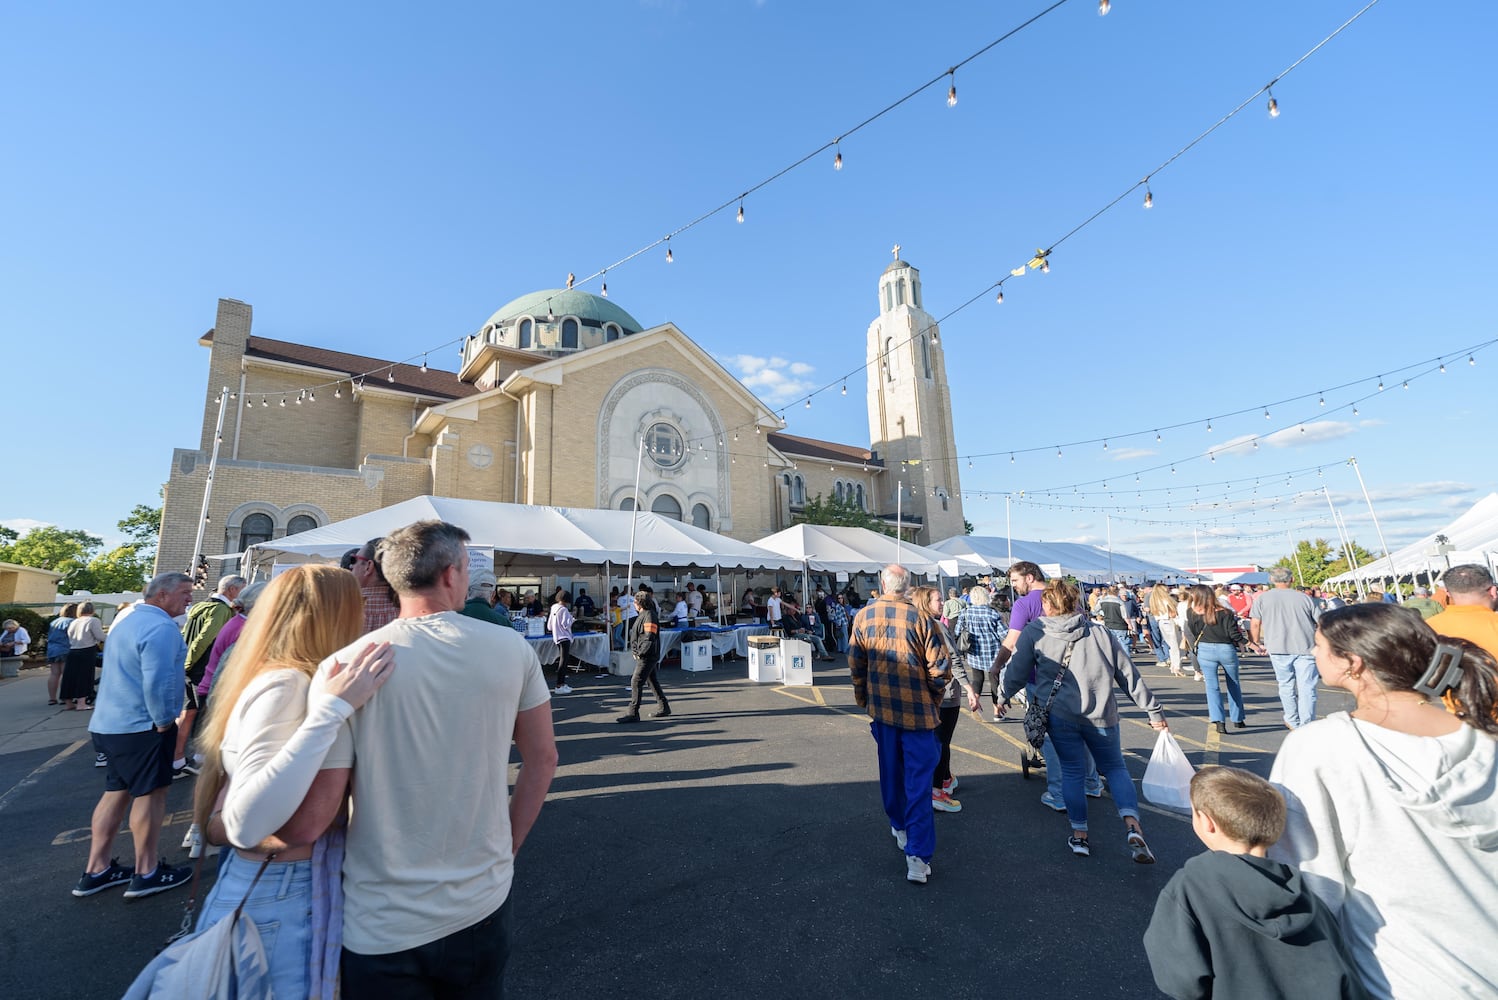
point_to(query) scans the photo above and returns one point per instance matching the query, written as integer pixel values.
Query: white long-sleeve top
(274, 745)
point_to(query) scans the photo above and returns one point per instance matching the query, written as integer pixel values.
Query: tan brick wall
(231, 330)
(322, 433)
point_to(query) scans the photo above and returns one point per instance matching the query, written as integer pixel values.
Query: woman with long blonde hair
(1163, 608)
(260, 790)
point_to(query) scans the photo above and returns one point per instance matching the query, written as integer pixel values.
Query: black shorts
(192, 701)
(139, 763)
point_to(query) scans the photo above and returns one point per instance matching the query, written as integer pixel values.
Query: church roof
(895, 266)
(408, 378)
(567, 302)
(792, 444)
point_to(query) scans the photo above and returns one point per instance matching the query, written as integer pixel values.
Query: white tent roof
(534, 538)
(1085, 562)
(1473, 537)
(839, 549)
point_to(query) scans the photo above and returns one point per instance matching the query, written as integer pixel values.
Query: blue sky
(377, 180)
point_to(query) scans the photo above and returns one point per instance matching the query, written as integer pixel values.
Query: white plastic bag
(1167, 780)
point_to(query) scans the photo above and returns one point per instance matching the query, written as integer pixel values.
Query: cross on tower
(896, 251)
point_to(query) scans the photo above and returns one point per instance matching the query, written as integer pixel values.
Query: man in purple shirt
(1027, 581)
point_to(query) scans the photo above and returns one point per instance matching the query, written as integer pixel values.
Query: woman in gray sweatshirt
(1083, 711)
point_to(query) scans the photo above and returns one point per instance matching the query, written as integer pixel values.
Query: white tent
(1473, 538)
(1087, 563)
(533, 539)
(837, 549)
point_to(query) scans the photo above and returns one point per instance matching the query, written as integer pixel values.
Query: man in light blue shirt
(134, 726)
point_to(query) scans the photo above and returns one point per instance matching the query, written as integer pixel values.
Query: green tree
(121, 569)
(62, 550)
(1316, 560)
(143, 527)
(840, 511)
(967, 526)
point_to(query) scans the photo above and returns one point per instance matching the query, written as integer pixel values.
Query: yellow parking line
(1211, 748)
(820, 700)
(791, 694)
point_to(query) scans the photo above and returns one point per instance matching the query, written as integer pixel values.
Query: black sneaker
(164, 878)
(631, 717)
(663, 713)
(193, 767)
(182, 772)
(114, 875)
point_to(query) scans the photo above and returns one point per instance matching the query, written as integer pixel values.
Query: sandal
(52, 702)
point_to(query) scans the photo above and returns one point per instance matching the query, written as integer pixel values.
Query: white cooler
(795, 658)
(697, 655)
(764, 659)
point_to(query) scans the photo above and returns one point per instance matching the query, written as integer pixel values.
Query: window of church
(798, 490)
(628, 503)
(300, 523)
(926, 355)
(666, 449)
(701, 517)
(900, 292)
(527, 331)
(667, 507)
(255, 530)
(569, 334)
(859, 492)
(915, 293)
(610, 333)
(889, 298)
(838, 491)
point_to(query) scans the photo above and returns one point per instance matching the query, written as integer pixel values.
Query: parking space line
(36, 775)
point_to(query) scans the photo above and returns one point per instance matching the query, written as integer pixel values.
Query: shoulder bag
(1037, 716)
(964, 635)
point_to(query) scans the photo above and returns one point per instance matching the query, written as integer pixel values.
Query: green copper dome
(592, 309)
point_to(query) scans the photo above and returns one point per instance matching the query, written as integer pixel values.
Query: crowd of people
(1366, 865)
(342, 722)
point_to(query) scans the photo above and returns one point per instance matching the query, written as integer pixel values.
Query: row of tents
(532, 540)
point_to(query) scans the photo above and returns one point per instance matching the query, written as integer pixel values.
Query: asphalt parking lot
(736, 849)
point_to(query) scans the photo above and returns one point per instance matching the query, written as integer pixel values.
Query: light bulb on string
(952, 90)
(390, 377)
(808, 402)
(1442, 369)
(1011, 458)
(423, 364)
(1321, 401)
(1149, 196)
(263, 402)
(604, 291)
(1058, 451)
(338, 391)
(1354, 411)
(845, 388)
(311, 395)
(741, 210)
(999, 298)
(1406, 384)
(1105, 444)
(301, 397)
(1380, 385)
(249, 404)
(1274, 106)
(1209, 425)
(283, 401)
(1158, 438)
(1045, 266)
(1103, 6)
(1266, 413)
(1471, 360)
(837, 161)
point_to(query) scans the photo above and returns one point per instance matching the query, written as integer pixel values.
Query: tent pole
(1295, 553)
(1387, 551)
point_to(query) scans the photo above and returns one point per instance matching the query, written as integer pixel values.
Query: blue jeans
(1073, 740)
(840, 633)
(281, 907)
(1053, 763)
(1298, 677)
(1162, 651)
(1124, 639)
(907, 760)
(1211, 656)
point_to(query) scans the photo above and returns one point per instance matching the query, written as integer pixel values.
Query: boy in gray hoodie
(1232, 923)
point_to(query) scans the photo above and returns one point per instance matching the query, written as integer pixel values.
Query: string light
(808, 402)
(845, 388)
(1406, 383)
(1274, 106)
(999, 298)
(604, 291)
(1321, 399)
(1471, 360)
(311, 395)
(263, 403)
(1443, 368)
(423, 364)
(283, 400)
(1103, 6)
(338, 391)
(952, 90)
(1209, 425)
(1380, 385)
(669, 256)
(1266, 413)
(741, 211)
(1149, 196)
(390, 377)
(1158, 438)
(837, 161)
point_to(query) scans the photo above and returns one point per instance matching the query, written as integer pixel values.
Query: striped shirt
(987, 629)
(896, 662)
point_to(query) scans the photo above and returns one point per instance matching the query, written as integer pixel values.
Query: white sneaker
(916, 870)
(564, 689)
(899, 836)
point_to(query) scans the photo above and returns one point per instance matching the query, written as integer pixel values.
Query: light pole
(1393, 570)
(200, 561)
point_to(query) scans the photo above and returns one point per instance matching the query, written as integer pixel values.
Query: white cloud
(1313, 432)
(21, 525)
(773, 379)
(1126, 454)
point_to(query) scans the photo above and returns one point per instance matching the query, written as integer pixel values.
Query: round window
(664, 445)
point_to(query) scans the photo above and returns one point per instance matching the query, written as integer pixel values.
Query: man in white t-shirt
(694, 600)
(772, 608)
(432, 842)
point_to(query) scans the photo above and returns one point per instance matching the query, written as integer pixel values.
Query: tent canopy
(1087, 563)
(1247, 579)
(840, 549)
(534, 539)
(1473, 538)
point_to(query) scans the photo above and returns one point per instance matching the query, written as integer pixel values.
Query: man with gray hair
(431, 846)
(202, 628)
(1283, 621)
(134, 727)
(898, 677)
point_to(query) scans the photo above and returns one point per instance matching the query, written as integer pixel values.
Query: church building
(561, 398)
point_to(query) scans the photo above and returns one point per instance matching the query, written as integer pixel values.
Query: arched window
(915, 293)
(254, 530)
(610, 333)
(667, 506)
(701, 518)
(300, 523)
(628, 503)
(838, 491)
(889, 298)
(860, 497)
(798, 490)
(527, 329)
(569, 334)
(900, 292)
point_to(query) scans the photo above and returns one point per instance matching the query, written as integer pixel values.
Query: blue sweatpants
(907, 760)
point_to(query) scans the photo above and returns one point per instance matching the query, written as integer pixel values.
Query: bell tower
(910, 409)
